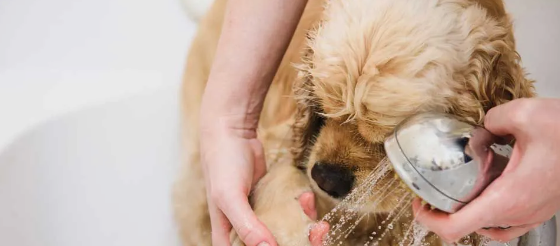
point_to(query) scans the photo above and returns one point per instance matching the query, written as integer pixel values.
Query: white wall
(61, 55)
(98, 177)
(537, 28)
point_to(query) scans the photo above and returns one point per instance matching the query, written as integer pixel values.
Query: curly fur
(354, 69)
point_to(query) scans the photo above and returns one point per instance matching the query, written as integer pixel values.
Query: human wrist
(226, 106)
(221, 124)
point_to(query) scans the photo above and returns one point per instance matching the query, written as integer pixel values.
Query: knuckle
(245, 233)
(522, 112)
(518, 220)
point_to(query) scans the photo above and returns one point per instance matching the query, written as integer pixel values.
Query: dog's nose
(335, 180)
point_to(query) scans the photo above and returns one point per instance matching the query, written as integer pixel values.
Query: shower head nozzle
(445, 161)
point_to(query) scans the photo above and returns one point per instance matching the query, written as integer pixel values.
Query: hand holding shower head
(445, 161)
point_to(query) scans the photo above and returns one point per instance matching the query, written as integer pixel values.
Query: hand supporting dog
(253, 40)
(277, 202)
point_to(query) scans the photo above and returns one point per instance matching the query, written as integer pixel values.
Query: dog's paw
(278, 203)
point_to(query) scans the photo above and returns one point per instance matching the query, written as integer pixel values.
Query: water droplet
(359, 197)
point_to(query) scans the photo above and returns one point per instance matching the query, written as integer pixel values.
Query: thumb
(509, 119)
(249, 228)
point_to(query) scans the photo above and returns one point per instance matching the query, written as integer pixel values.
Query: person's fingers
(318, 233)
(509, 119)
(307, 202)
(249, 228)
(259, 161)
(433, 220)
(467, 220)
(220, 226)
(507, 234)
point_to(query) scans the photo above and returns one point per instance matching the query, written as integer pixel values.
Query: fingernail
(263, 244)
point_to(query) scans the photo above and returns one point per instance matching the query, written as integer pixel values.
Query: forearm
(255, 36)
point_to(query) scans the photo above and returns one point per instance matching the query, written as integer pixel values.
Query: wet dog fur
(353, 70)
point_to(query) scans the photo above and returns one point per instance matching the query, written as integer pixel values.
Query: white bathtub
(99, 176)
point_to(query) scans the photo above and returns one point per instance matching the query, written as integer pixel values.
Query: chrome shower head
(445, 161)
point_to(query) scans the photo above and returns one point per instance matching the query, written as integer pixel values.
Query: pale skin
(526, 194)
(254, 38)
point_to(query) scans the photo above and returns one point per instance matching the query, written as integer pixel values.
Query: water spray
(448, 162)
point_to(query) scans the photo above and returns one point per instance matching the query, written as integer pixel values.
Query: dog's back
(279, 110)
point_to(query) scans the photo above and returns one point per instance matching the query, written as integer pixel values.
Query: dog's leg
(190, 207)
(189, 192)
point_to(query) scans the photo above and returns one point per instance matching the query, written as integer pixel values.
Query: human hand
(526, 194)
(319, 230)
(318, 233)
(233, 162)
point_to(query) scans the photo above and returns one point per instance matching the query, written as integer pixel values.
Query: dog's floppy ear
(308, 120)
(495, 72)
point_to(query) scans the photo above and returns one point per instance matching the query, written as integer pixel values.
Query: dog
(353, 70)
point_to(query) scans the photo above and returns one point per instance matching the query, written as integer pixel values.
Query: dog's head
(369, 64)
